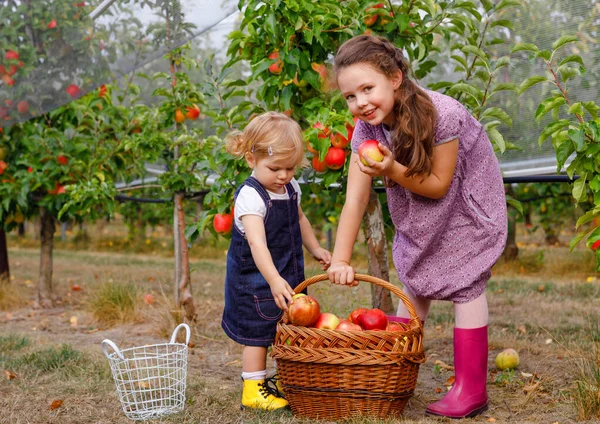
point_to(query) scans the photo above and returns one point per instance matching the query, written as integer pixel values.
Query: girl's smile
(369, 93)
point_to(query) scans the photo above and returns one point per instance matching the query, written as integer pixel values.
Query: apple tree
(574, 129)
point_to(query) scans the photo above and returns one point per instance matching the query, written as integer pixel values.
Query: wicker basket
(341, 374)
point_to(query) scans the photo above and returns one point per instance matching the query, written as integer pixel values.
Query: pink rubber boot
(468, 396)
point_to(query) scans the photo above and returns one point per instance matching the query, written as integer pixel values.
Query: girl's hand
(323, 256)
(342, 273)
(282, 292)
(376, 169)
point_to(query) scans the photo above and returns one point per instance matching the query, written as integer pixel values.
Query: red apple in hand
(304, 310)
(348, 326)
(373, 319)
(327, 321)
(370, 149)
(355, 313)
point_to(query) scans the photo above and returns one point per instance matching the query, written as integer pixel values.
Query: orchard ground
(545, 305)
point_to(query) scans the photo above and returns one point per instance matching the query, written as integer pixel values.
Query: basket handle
(361, 277)
(187, 333)
(106, 343)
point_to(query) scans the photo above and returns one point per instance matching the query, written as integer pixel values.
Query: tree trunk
(511, 251)
(45, 296)
(186, 299)
(4, 268)
(378, 259)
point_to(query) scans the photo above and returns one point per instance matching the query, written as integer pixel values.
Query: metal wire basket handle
(105, 344)
(187, 333)
(108, 343)
(365, 278)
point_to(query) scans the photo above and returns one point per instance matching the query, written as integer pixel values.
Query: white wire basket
(150, 379)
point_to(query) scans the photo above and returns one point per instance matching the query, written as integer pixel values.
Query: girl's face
(271, 171)
(369, 93)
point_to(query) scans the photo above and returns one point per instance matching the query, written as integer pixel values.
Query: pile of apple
(305, 311)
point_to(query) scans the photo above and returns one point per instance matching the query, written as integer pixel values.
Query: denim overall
(251, 315)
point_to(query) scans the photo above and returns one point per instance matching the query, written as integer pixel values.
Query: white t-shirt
(249, 202)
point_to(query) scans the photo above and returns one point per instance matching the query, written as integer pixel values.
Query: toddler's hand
(323, 256)
(342, 273)
(282, 293)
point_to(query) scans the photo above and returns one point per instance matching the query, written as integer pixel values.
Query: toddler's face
(369, 93)
(272, 172)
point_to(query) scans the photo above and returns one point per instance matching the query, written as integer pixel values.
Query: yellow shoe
(257, 395)
(275, 386)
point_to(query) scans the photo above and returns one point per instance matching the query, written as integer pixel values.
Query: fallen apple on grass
(508, 359)
(370, 149)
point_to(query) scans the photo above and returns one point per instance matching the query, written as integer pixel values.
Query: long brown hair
(413, 135)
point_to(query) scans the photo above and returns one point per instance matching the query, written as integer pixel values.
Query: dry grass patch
(115, 303)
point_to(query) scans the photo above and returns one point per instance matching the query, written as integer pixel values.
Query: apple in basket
(394, 326)
(355, 313)
(327, 321)
(348, 326)
(304, 310)
(373, 319)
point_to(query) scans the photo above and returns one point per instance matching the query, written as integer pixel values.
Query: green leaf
(563, 151)
(503, 23)
(515, 204)
(575, 240)
(572, 58)
(567, 72)
(525, 47)
(578, 138)
(579, 192)
(462, 87)
(507, 3)
(504, 86)
(530, 82)
(565, 39)
(497, 113)
(576, 109)
(477, 52)
(544, 54)
(497, 139)
(587, 217)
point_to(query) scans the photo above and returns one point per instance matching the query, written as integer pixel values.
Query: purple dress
(445, 248)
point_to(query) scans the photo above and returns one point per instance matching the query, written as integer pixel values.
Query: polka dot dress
(445, 248)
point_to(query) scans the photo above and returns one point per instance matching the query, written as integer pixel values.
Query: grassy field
(545, 305)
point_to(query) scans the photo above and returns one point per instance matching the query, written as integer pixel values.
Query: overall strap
(253, 182)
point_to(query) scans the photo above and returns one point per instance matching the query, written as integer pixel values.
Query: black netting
(58, 50)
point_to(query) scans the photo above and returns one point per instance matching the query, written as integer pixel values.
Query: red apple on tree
(371, 17)
(338, 140)
(327, 321)
(373, 319)
(335, 158)
(355, 313)
(277, 66)
(179, 116)
(3, 167)
(222, 222)
(11, 55)
(370, 149)
(23, 106)
(193, 112)
(318, 166)
(73, 90)
(304, 310)
(52, 24)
